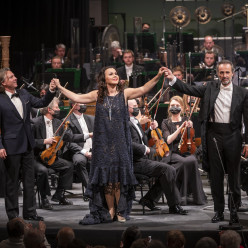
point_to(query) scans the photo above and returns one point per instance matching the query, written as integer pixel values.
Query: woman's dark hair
(102, 87)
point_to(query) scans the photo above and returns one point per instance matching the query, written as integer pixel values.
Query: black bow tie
(14, 95)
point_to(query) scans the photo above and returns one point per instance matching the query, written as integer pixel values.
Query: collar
(228, 88)
(78, 116)
(129, 67)
(133, 120)
(47, 121)
(9, 94)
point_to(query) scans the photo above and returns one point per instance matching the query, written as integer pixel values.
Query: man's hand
(154, 124)
(88, 155)
(189, 124)
(148, 150)
(52, 86)
(3, 153)
(168, 74)
(245, 151)
(90, 135)
(49, 141)
(56, 82)
(143, 119)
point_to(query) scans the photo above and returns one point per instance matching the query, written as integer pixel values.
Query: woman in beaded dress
(188, 178)
(111, 178)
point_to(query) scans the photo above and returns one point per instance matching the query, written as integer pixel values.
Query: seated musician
(209, 45)
(60, 50)
(43, 128)
(56, 62)
(165, 174)
(129, 69)
(209, 60)
(116, 56)
(80, 153)
(188, 177)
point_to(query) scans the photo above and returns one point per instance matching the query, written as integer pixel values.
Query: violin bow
(159, 99)
(62, 123)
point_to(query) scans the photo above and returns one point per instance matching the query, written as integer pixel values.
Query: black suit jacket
(209, 93)
(39, 131)
(138, 148)
(76, 129)
(123, 74)
(16, 135)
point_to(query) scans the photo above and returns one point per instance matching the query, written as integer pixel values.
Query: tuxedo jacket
(208, 95)
(16, 135)
(39, 131)
(76, 129)
(138, 147)
(123, 74)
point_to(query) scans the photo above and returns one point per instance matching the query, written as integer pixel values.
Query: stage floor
(194, 225)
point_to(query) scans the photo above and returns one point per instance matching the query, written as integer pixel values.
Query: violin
(162, 148)
(187, 142)
(49, 155)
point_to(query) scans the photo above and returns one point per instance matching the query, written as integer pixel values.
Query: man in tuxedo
(80, 153)
(165, 174)
(130, 70)
(222, 108)
(17, 142)
(44, 128)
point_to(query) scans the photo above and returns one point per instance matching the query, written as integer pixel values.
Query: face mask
(56, 113)
(82, 109)
(135, 112)
(175, 110)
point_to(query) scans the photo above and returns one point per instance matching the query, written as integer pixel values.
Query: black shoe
(219, 216)
(177, 209)
(33, 217)
(45, 204)
(62, 200)
(234, 217)
(146, 203)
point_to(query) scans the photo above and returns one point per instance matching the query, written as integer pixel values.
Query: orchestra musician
(188, 178)
(165, 174)
(44, 128)
(129, 69)
(17, 142)
(80, 153)
(223, 106)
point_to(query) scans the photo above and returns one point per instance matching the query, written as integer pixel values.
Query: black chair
(143, 181)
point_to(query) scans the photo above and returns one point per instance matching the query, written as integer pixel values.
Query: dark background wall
(152, 11)
(33, 22)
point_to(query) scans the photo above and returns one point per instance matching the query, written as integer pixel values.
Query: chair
(143, 180)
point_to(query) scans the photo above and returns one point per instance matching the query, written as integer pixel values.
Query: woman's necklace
(110, 106)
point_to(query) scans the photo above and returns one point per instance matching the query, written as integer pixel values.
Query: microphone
(29, 85)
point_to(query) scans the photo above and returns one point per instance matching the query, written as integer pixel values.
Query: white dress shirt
(129, 71)
(88, 140)
(49, 129)
(222, 106)
(135, 122)
(17, 102)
